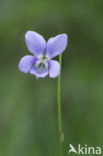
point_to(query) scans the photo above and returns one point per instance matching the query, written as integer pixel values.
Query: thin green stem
(59, 112)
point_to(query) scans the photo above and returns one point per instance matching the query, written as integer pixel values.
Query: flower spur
(41, 64)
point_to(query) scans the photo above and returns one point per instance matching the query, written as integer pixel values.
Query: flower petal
(38, 70)
(54, 68)
(35, 42)
(56, 45)
(26, 63)
(33, 71)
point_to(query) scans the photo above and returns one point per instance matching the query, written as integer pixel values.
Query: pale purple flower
(41, 64)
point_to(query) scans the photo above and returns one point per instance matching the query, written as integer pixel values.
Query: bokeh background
(28, 107)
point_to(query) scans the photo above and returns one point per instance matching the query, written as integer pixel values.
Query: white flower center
(41, 65)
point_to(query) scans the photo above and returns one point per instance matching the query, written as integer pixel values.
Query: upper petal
(26, 63)
(35, 42)
(54, 68)
(56, 45)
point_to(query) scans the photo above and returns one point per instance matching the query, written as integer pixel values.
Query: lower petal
(26, 63)
(54, 68)
(38, 74)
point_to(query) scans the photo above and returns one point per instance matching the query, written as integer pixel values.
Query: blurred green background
(28, 107)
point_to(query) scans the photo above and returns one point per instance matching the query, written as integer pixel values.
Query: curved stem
(59, 111)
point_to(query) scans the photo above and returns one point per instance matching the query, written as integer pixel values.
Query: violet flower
(41, 64)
